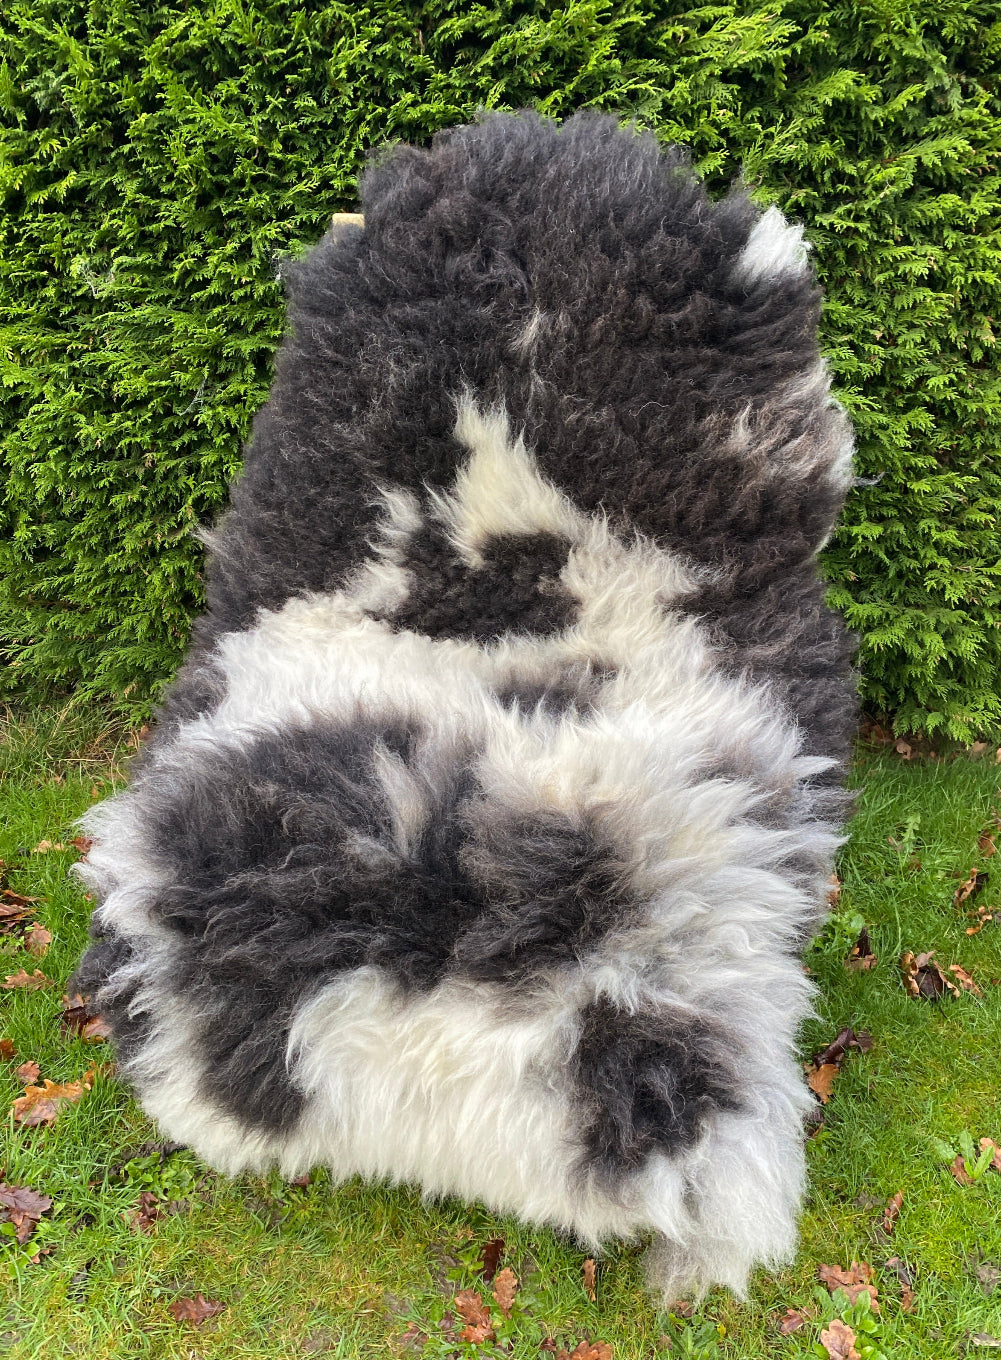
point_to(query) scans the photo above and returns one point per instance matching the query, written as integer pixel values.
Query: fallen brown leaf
(981, 917)
(924, 977)
(41, 1104)
(982, 1339)
(34, 983)
(23, 1208)
(845, 1040)
(964, 979)
(145, 1212)
(194, 1310)
(505, 1288)
(905, 1278)
(82, 843)
(15, 911)
(988, 1277)
(834, 890)
(588, 1350)
(490, 1255)
(77, 1017)
(37, 940)
(825, 1066)
(28, 1072)
(854, 1280)
(478, 1327)
(861, 959)
(971, 887)
(839, 1341)
(590, 1271)
(43, 847)
(903, 749)
(986, 1143)
(958, 1169)
(821, 1079)
(16, 901)
(7, 1049)
(986, 841)
(892, 1211)
(790, 1322)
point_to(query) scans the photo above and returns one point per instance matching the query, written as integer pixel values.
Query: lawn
(349, 1271)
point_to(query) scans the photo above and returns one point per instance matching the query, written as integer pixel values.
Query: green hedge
(157, 161)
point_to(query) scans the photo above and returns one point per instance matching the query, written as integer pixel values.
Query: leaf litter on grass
(196, 1310)
(923, 976)
(23, 1208)
(825, 1066)
(838, 1340)
(41, 1104)
(31, 982)
(79, 1019)
(853, 1280)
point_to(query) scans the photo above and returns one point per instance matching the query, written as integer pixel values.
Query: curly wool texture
(483, 825)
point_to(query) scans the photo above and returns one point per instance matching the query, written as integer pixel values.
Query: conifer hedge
(158, 161)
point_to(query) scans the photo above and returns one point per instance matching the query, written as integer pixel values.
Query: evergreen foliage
(158, 161)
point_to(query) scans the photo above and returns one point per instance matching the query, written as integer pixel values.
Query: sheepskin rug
(479, 837)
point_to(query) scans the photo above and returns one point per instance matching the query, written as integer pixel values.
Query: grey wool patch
(478, 836)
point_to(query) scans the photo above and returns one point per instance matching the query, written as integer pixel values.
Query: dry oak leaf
(958, 1169)
(854, 1280)
(791, 1322)
(923, 976)
(995, 1161)
(971, 887)
(505, 1288)
(23, 1208)
(964, 979)
(892, 1211)
(81, 843)
(34, 983)
(145, 1212)
(839, 1341)
(17, 901)
(41, 1104)
(7, 1049)
(590, 1278)
(821, 1079)
(15, 909)
(37, 940)
(194, 1310)
(986, 842)
(28, 1072)
(77, 1016)
(981, 916)
(470, 1307)
(588, 1350)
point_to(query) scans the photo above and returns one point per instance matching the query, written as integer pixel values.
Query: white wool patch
(774, 247)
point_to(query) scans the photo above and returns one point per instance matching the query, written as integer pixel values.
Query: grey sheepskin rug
(479, 837)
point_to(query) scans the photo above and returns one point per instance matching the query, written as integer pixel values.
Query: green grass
(343, 1271)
